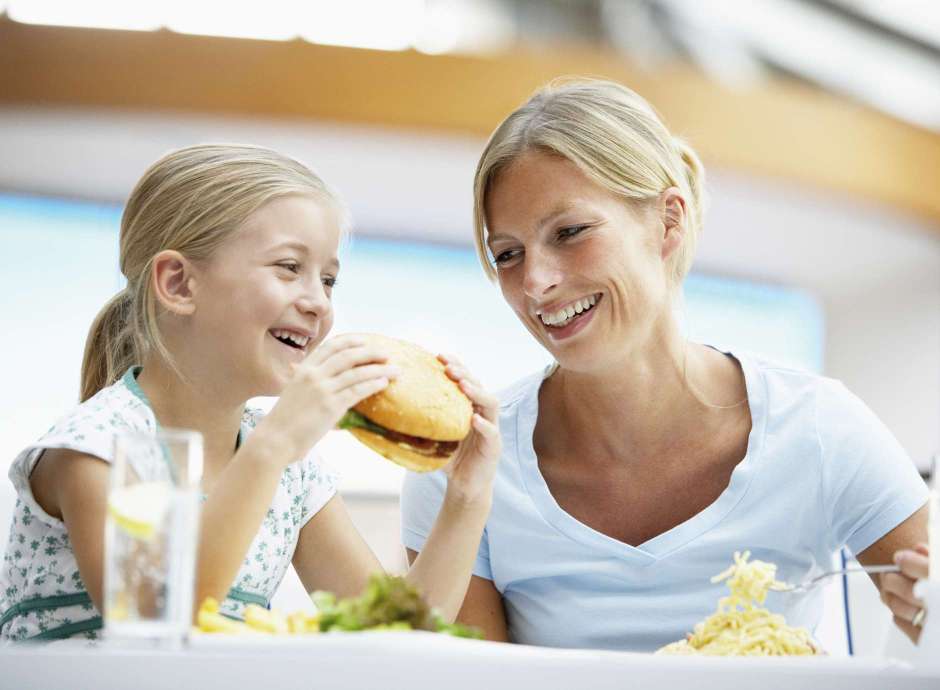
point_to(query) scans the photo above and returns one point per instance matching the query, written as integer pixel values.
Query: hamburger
(419, 419)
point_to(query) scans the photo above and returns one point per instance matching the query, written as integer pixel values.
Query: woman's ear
(672, 216)
(173, 282)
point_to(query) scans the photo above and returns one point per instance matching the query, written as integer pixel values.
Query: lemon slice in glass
(139, 509)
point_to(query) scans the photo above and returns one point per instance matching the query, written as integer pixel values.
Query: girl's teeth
(299, 340)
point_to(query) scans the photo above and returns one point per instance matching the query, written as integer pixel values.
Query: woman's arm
(897, 588)
(482, 607)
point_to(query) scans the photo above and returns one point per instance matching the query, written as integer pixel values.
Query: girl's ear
(173, 282)
(672, 217)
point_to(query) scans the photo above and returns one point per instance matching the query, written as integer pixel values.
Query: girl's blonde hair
(614, 136)
(192, 200)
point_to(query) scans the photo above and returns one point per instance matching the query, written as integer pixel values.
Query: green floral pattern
(39, 561)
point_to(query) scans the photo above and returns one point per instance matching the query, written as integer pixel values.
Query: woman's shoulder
(513, 395)
(785, 384)
(811, 401)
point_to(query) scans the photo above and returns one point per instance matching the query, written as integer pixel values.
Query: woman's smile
(570, 319)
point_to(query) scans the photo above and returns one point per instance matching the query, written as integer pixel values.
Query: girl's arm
(331, 554)
(443, 568)
(333, 378)
(482, 607)
(73, 487)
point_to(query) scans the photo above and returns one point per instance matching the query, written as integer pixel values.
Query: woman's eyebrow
(560, 209)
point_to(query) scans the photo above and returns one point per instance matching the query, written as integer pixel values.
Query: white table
(389, 660)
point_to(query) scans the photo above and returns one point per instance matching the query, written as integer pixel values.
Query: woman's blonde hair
(192, 200)
(613, 135)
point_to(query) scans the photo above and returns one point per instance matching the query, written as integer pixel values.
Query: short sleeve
(871, 485)
(87, 429)
(421, 498)
(317, 486)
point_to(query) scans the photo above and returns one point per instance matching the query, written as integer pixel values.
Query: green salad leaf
(389, 602)
(353, 420)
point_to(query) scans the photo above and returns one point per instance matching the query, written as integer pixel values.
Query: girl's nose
(315, 301)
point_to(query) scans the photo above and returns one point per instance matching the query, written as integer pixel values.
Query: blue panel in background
(59, 265)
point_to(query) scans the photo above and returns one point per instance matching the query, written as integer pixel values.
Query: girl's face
(263, 300)
(583, 270)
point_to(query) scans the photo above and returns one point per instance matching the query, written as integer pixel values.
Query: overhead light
(376, 24)
(102, 14)
(272, 20)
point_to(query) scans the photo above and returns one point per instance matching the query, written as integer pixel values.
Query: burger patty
(424, 446)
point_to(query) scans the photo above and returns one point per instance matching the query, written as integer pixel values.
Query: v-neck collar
(672, 539)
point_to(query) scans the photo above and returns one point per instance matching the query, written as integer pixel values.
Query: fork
(813, 582)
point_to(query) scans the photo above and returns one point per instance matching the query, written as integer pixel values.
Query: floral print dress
(42, 596)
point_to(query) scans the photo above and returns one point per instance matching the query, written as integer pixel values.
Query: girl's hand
(332, 378)
(470, 474)
(897, 590)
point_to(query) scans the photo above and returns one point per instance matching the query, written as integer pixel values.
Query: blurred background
(818, 122)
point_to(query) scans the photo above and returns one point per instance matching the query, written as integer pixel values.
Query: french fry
(261, 619)
(211, 621)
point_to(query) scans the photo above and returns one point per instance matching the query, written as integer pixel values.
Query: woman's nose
(541, 274)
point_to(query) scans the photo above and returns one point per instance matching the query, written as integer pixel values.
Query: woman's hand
(470, 474)
(897, 590)
(332, 378)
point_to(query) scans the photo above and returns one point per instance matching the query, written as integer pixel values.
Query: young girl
(230, 258)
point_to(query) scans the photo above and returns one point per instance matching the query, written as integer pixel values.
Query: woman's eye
(291, 266)
(566, 233)
(505, 257)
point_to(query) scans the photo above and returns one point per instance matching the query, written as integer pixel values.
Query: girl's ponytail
(109, 348)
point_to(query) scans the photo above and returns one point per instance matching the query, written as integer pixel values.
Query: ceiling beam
(778, 128)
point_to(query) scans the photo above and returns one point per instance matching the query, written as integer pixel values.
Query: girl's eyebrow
(296, 246)
(301, 248)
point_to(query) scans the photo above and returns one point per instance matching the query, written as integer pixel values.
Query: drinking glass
(151, 532)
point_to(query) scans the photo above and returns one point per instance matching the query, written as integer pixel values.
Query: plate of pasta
(741, 626)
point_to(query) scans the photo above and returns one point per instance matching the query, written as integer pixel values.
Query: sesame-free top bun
(399, 454)
(423, 401)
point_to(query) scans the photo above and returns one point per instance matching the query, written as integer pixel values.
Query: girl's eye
(329, 281)
(291, 266)
(566, 233)
(505, 257)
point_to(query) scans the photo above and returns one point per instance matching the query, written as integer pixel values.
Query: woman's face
(583, 270)
(264, 298)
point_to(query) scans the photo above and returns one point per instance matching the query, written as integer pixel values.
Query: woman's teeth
(563, 316)
(292, 339)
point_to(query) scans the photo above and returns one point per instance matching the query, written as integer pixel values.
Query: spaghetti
(740, 626)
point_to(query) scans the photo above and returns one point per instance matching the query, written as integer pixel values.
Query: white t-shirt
(42, 595)
(821, 471)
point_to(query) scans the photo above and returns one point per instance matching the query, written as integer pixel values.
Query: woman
(635, 466)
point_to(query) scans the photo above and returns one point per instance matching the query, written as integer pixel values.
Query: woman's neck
(642, 404)
(193, 404)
